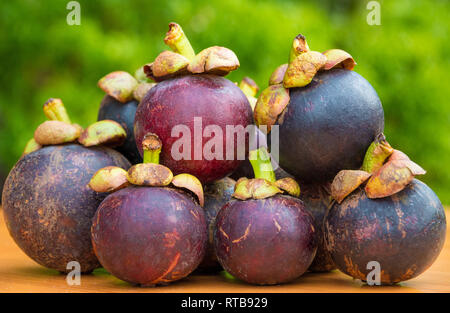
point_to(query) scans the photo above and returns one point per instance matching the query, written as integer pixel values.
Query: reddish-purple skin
(48, 206)
(404, 233)
(317, 200)
(149, 235)
(214, 99)
(265, 242)
(217, 194)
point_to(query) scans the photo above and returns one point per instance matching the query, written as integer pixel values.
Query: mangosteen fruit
(151, 230)
(326, 114)
(317, 200)
(394, 220)
(47, 205)
(200, 116)
(217, 194)
(262, 236)
(123, 93)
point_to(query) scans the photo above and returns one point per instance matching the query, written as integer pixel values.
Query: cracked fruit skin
(328, 125)
(217, 194)
(317, 202)
(214, 99)
(265, 242)
(149, 235)
(122, 113)
(48, 206)
(404, 233)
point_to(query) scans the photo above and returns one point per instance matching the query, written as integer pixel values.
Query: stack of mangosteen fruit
(141, 192)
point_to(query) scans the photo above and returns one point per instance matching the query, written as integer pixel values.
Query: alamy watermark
(74, 16)
(374, 15)
(374, 276)
(73, 278)
(213, 142)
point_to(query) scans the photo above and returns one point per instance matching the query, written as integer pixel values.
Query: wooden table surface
(18, 273)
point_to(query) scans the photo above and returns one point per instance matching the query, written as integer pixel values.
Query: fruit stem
(299, 45)
(262, 167)
(377, 153)
(152, 148)
(54, 110)
(178, 41)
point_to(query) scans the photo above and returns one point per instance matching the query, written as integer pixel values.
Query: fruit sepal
(264, 185)
(304, 64)
(106, 132)
(337, 58)
(303, 68)
(31, 146)
(385, 172)
(270, 104)
(150, 173)
(278, 75)
(119, 85)
(109, 179)
(182, 59)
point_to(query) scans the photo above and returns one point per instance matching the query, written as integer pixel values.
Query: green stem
(178, 41)
(152, 148)
(377, 153)
(299, 45)
(262, 167)
(54, 110)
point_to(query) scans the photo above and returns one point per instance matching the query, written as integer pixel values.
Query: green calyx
(385, 172)
(377, 153)
(264, 185)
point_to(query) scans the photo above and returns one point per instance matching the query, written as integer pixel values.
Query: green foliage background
(406, 58)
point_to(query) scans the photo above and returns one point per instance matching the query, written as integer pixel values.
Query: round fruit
(149, 235)
(325, 114)
(268, 241)
(328, 125)
(404, 233)
(48, 206)
(264, 237)
(179, 111)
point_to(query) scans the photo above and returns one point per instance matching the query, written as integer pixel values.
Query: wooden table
(18, 273)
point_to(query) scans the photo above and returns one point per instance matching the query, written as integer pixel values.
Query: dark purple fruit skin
(317, 200)
(217, 194)
(122, 113)
(404, 233)
(264, 242)
(328, 125)
(149, 235)
(216, 100)
(48, 206)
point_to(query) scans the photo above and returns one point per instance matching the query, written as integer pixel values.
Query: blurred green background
(406, 58)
